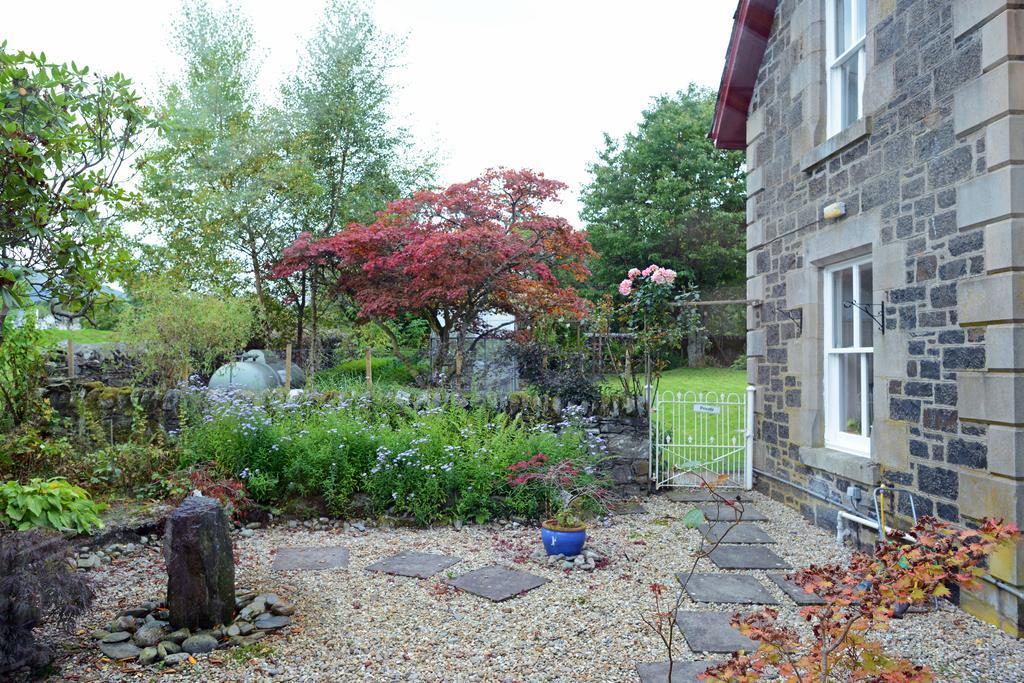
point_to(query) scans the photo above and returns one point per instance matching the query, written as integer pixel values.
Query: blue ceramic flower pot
(558, 541)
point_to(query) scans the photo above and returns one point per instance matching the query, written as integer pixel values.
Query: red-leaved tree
(448, 256)
(858, 601)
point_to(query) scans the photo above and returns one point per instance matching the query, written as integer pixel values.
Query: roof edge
(751, 28)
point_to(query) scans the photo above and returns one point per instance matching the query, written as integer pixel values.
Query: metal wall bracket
(868, 310)
(796, 315)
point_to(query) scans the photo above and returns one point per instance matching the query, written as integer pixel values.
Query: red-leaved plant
(230, 493)
(859, 599)
(565, 488)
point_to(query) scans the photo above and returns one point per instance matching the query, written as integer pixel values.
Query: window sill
(853, 134)
(858, 468)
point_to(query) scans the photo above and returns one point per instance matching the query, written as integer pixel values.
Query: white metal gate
(702, 435)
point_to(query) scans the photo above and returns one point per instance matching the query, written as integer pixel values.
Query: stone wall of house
(933, 183)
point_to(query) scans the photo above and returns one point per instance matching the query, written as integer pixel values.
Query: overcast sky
(520, 83)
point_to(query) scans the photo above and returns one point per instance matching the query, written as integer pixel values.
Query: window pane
(844, 26)
(849, 392)
(862, 15)
(866, 297)
(842, 316)
(849, 90)
(870, 360)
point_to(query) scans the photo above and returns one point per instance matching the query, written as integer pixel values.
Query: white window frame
(835, 436)
(858, 50)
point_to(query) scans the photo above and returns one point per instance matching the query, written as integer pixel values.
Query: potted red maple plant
(570, 494)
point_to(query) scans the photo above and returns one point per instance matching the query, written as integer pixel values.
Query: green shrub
(386, 370)
(21, 371)
(130, 468)
(52, 503)
(181, 331)
(434, 465)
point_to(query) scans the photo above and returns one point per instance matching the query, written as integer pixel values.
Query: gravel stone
(149, 635)
(119, 651)
(123, 623)
(582, 626)
(268, 622)
(177, 659)
(178, 636)
(200, 643)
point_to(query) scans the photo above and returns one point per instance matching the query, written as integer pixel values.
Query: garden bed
(358, 625)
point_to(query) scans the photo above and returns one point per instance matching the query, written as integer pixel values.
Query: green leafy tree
(64, 136)
(340, 101)
(216, 183)
(181, 331)
(666, 195)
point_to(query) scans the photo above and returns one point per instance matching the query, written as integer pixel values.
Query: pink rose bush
(653, 272)
(655, 315)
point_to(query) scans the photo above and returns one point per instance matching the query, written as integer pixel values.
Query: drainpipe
(843, 515)
(870, 523)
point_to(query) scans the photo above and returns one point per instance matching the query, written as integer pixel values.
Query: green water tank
(252, 373)
(275, 361)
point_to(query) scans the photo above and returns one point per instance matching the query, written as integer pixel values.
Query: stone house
(885, 160)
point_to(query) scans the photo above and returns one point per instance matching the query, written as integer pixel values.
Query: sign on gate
(698, 436)
(710, 410)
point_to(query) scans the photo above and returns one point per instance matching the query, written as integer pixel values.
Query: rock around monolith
(200, 565)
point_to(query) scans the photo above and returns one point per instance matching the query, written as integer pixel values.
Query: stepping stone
(794, 591)
(629, 509)
(739, 533)
(416, 565)
(697, 495)
(746, 557)
(738, 589)
(712, 632)
(497, 583)
(682, 672)
(305, 559)
(723, 512)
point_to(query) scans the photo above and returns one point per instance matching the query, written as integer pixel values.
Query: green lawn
(54, 337)
(717, 380)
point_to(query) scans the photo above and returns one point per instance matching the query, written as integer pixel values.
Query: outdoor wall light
(834, 211)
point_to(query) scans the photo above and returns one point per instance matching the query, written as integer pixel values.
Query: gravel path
(355, 625)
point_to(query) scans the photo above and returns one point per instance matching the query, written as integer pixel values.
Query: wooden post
(71, 359)
(369, 370)
(288, 368)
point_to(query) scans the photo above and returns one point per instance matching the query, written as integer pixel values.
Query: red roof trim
(750, 31)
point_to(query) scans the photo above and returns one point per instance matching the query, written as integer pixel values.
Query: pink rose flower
(626, 287)
(634, 273)
(663, 276)
(649, 270)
